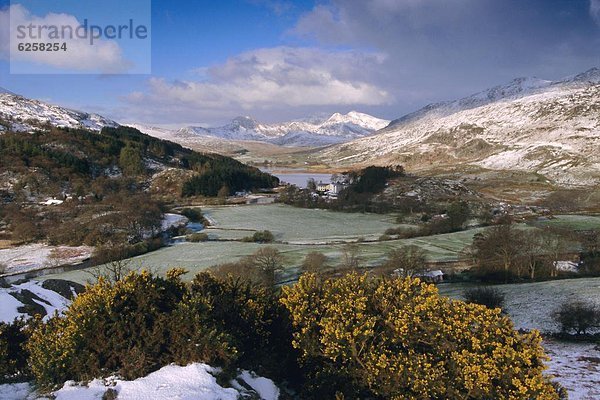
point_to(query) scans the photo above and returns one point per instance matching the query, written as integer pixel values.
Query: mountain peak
(357, 118)
(245, 122)
(592, 75)
(516, 88)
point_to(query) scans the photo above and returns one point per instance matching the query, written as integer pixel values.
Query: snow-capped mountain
(191, 139)
(552, 128)
(337, 128)
(25, 114)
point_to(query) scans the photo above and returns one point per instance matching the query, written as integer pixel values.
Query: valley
(84, 196)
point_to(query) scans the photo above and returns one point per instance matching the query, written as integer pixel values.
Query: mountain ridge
(310, 131)
(550, 128)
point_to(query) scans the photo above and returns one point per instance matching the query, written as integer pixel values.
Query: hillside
(75, 186)
(550, 128)
(23, 114)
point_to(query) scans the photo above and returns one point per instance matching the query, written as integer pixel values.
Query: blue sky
(275, 60)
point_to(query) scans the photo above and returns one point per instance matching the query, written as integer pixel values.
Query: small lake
(298, 177)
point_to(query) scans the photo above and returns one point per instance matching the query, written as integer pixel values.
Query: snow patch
(16, 391)
(39, 256)
(173, 220)
(193, 382)
(51, 301)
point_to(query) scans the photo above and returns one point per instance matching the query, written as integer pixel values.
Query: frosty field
(530, 305)
(298, 231)
(296, 225)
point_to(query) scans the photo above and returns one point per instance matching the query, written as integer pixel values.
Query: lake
(297, 177)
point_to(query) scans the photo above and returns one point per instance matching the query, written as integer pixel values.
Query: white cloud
(595, 10)
(266, 79)
(445, 49)
(103, 56)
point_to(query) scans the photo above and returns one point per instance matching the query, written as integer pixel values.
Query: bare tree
(112, 272)
(268, 260)
(314, 262)
(406, 261)
(350, 258)
(556, 244)
(499, 249)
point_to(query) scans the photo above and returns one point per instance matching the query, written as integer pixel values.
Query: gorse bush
(131, 327)
(142, 322)
(398, 339)
(260, 237)
(254, 319)
(352, 337)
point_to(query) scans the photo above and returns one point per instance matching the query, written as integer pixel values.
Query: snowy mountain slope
(552, 128)
(337, 128)
(191, 139)
(26, 114)
(519, 87)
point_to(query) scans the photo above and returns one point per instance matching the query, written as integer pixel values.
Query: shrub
(13, 356)
(361, 338)
(263, 237)
(193, 214)
(130, 327)
(255, 321)
(260, 237)
(486, 296)
(197, 237)
(577, 316)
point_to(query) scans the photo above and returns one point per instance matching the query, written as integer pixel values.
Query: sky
(275, 60)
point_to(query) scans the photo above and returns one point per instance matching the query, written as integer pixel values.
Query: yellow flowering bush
(399, 339)
(130, 327)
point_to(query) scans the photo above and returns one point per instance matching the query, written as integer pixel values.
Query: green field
(299, 232)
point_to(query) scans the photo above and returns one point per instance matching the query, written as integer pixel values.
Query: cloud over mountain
(266, 79)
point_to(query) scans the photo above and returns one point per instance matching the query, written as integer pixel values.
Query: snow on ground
(9, 309)
(576, 366)
(170, 220)
(16, 391)
(50, 300)
(265, 388)
(194, 382)
(38, 256)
